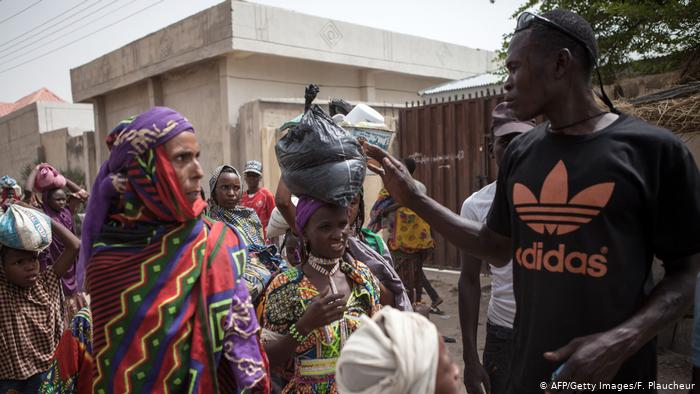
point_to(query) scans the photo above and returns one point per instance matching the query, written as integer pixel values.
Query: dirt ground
(673, 367)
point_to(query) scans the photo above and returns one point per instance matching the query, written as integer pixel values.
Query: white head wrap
(394, 353)
(278, 225)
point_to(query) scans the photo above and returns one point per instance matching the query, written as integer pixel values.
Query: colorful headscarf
(7, 182)
(9, 191)
(169, 310)
(244, 219)
(132, 139)
(306, 207)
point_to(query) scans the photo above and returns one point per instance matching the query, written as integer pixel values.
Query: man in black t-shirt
(583, 204)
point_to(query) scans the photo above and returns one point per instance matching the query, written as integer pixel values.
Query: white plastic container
(364, 113)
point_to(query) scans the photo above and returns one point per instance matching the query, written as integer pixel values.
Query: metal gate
(449, 142)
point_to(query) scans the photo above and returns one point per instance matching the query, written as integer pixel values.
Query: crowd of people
(167, 288)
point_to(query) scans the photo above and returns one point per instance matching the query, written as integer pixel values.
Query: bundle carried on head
(319, 158)
(44, 178)
(10, 191)
(25, 229)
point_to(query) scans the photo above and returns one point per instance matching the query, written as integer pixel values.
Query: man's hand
(475, 376)
(592, 359)
(396, 178)
(82, 195)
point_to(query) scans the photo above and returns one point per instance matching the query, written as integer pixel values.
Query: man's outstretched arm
(471, 236)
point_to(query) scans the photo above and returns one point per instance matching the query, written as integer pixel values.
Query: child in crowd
(30, 299)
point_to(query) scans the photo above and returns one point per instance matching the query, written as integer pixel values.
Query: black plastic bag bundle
(319, 158)
(339, 106)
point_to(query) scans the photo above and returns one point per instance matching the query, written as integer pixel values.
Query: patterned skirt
(409, 266)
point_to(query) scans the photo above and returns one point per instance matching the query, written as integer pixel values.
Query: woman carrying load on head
(10, 192)
(169, 310)
(30, 298)
(60, 206)
(364, 245)
(314, 307)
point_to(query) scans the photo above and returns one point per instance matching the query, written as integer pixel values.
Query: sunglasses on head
(527, 19)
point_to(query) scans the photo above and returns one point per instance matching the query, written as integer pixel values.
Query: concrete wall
(263, 76)
(24, 140)
(210, 94)
(196, 92)
(209, 65)
(112, 108)
(64, 151)
(19, 141)
(76, 117)
(56, 151)
(263, 29)
(244, 28)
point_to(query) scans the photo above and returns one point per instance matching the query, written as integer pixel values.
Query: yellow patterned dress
(285, 302)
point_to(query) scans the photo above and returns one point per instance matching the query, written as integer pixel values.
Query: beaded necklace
(328, 268)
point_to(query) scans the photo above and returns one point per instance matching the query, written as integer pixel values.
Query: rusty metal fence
(449, 142)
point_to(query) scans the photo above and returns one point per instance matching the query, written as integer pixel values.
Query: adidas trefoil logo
(553, 212)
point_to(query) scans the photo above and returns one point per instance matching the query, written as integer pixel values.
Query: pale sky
(41, 40)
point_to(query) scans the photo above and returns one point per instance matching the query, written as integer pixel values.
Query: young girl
(313, 308)
(30, 301)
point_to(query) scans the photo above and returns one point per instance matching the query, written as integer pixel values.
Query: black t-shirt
(586, 215)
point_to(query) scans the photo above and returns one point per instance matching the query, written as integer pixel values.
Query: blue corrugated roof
(474, 81)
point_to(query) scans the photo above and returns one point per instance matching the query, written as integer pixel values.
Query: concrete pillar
(367, 86)
(101, 130)
(155, 92)
(90, 167)
(226, 113)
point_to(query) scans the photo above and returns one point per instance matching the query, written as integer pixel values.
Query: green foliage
(77, 176)
(26, 171)
(631, 30)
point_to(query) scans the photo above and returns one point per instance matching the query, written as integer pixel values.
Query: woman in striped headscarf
(225, 195)
(169, 311)
(224, 199)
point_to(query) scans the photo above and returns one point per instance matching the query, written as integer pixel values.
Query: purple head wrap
(127, 141)
(306, 207)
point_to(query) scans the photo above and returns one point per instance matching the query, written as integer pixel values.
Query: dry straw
(678, 115)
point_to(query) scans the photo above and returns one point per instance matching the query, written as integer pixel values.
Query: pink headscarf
(47, 178)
